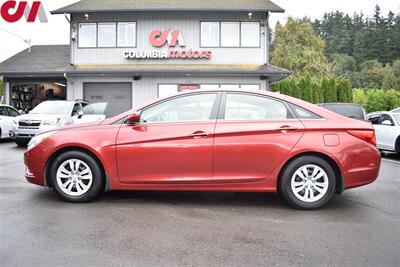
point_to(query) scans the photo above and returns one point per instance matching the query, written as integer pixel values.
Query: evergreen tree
(344, 91)
(330, 91)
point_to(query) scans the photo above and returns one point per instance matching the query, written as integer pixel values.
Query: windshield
(351, 111)
(95, 109)
(52, 107)
(397, 117)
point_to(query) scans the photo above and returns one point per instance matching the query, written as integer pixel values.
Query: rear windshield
(351, 111)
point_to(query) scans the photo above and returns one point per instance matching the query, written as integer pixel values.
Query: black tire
(96, 187)
(21, 142)
(397, 146)
(286, 178)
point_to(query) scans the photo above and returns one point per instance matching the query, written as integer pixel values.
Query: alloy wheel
(74, 177)
(309, 183)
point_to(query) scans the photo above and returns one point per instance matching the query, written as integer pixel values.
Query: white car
(45, 116)
(396, 110)
(91, 112)
(387, 129)
(7, 115)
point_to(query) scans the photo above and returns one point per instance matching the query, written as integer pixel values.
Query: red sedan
(225, 140)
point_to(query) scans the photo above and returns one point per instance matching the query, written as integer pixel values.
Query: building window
(106, 34)
(209, 86)
(250, 34)
(210, 34)
(250, 86)
(127, 34)
(167, 89)
(230, 86)
(230, 34)
(87, 35)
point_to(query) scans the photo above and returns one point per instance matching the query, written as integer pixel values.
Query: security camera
(73, 36)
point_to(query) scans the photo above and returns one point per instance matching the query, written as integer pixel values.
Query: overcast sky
(56, 30)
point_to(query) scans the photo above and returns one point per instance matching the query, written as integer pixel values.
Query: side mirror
(387, 123)
(80, 114)
(133, 118)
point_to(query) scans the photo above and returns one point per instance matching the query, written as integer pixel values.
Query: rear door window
(251, 107)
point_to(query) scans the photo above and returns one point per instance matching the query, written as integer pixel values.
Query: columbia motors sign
(13, 11)
(171, 39)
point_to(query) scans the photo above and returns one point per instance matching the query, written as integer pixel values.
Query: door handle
(199, 134)
(287, 128)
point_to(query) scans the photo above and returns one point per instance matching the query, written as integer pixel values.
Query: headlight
(39, 138)
(15, 122)
(52, 121)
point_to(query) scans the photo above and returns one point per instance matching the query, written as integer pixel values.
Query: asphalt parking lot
(359, 228)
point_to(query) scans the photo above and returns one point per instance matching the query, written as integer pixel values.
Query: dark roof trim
(94, 6)
(168, 72)
(274, 10)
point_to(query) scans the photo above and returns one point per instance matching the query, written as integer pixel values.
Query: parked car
(92, 112)
(350, 110)
(387, 128)
(7, 115)
(44, 117)
(207, 141)
(396, 110)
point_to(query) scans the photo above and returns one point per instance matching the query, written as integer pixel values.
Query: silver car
(387, 129)
(45, 116)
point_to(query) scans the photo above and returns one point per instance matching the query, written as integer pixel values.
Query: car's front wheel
(76, 176)
(21, 142)
(307, 182)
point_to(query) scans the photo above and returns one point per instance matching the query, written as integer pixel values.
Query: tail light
(366, 135)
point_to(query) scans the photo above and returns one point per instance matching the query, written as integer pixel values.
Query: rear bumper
(360, 169)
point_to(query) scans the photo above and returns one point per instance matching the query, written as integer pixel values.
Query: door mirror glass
(387, 123)
(133, 119)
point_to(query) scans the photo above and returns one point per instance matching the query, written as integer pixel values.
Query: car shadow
(390, 155)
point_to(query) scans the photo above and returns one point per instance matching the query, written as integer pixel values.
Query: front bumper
(35, 161)
(28, 133)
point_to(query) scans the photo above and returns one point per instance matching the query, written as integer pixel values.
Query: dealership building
(129, 52)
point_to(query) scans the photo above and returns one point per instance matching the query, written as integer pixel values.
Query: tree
(305, 88)
(342, 65)
(344, 91)
(329, 87)
(375, 100)
(318, 94)
(359, 96)
(298, 48)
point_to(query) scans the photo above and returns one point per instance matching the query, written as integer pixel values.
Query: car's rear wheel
(307, 182)
(76, 176)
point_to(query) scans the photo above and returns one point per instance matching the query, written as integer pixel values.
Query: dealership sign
(12, 11)
(159, 39)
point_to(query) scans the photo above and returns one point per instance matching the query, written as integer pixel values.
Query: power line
(28, 41)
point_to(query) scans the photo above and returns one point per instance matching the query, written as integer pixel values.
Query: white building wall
(7, 93)
(146, 89)
(187, 22)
